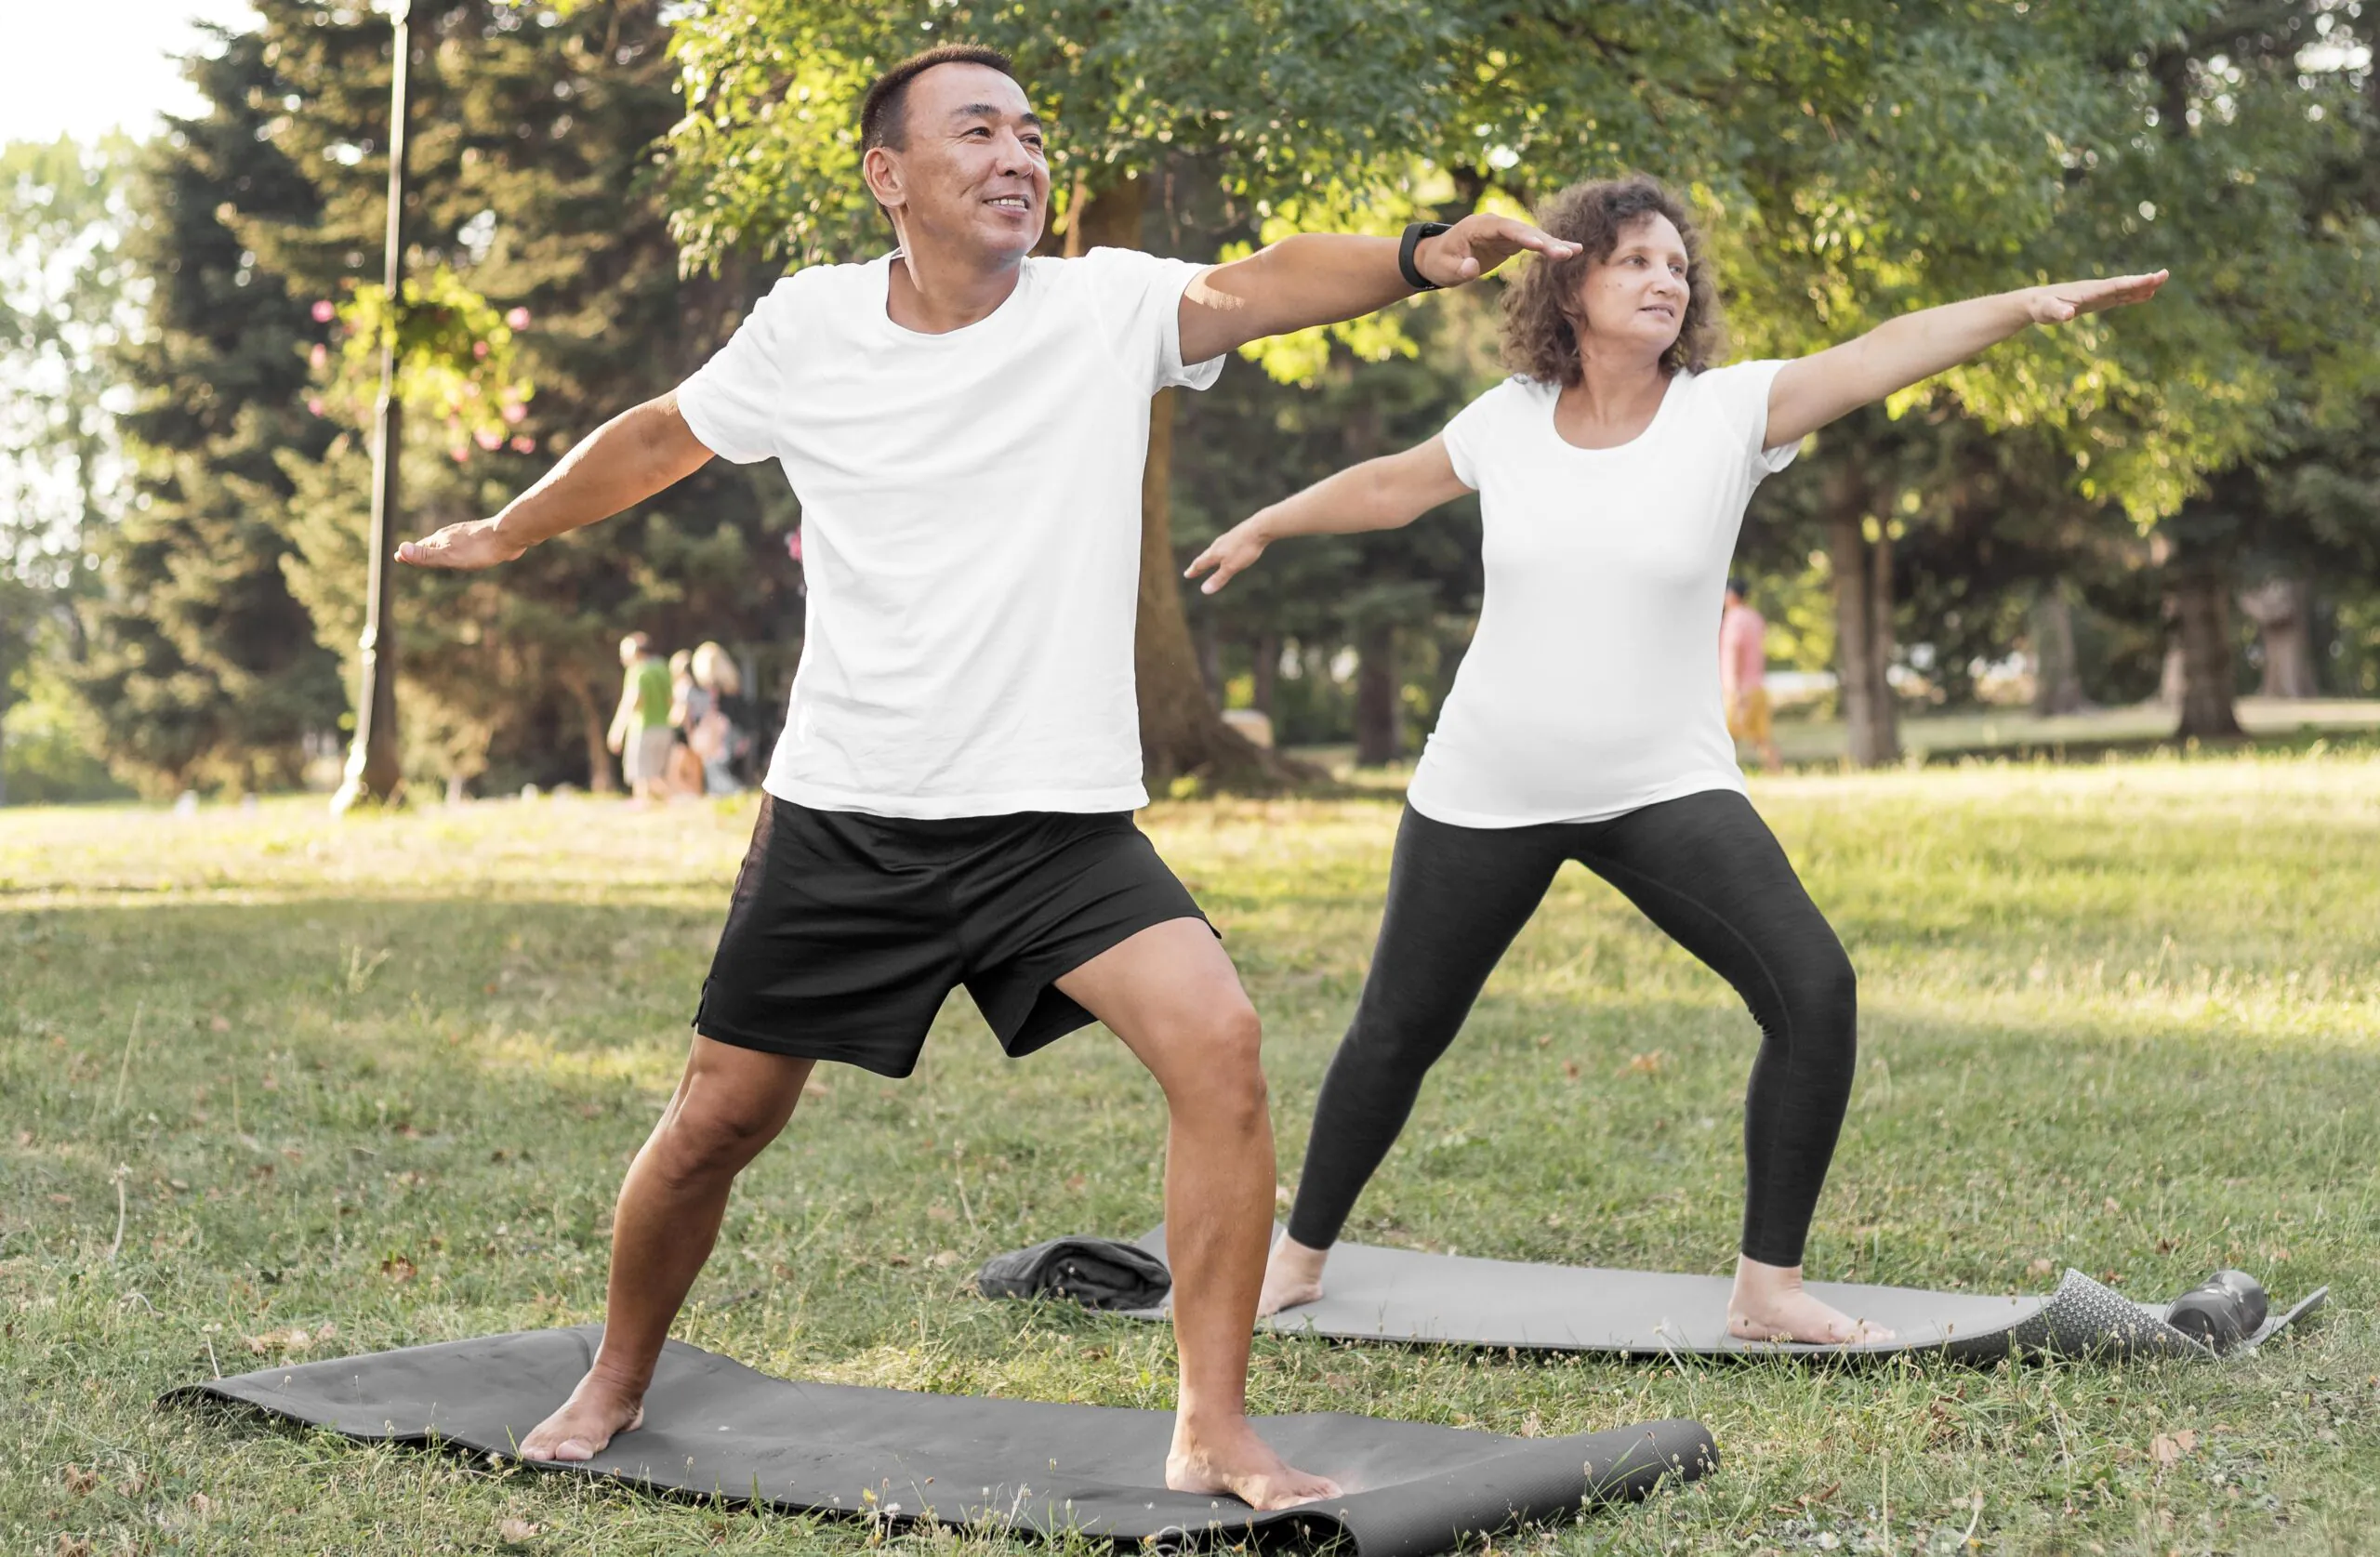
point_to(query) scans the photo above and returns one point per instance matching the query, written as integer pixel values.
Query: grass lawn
(375, 1082)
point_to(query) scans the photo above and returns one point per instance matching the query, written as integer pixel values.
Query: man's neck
(934, 292)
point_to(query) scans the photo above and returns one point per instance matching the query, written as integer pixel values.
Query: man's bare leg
(1174, 999)
(1769, 1305)
(730, 1104)
(1292, 1275)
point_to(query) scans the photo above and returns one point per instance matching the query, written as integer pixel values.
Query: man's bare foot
(1769, 1305)
(1231, 1460)
(1292, 1275)
(588, 1419)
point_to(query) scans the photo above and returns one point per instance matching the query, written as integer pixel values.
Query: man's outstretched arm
(1319, 278)
(627, 459)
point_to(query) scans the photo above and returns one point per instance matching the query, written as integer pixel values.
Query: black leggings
(1703, 869)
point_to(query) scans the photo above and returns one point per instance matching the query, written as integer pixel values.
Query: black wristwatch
(1414, 234)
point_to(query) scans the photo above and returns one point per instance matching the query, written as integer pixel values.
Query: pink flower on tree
(524, 444)
(323, 312)
(518, 318)
(320, 356)
(487, 438)
(514, 411)
(315, 405)
(479, 349)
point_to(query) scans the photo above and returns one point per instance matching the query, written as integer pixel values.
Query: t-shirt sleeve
(1467, 435)
(733, 402)
(1138, 299)
(1739, 392)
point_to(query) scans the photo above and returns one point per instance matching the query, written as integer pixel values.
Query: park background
(2092, 625)
(2160, 513)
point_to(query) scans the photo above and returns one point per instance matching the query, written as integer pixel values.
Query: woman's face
(1637, 295)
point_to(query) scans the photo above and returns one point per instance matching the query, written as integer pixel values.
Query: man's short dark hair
(1737, 587)
(882, 113)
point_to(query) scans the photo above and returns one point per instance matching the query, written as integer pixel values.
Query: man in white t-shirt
(950, 802)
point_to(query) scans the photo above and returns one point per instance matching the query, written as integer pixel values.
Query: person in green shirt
(640, 728)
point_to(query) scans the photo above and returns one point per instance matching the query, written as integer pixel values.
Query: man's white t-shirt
(971, 529)
(1592, 686)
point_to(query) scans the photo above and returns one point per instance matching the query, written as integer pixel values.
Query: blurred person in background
(1743, 676)
(639, 733)
(688, 704)
(721, 731)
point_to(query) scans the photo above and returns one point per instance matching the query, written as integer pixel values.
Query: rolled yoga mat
(715, 1428)
(1387, 1294)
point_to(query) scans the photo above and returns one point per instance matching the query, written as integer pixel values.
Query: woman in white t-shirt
(1585, 722)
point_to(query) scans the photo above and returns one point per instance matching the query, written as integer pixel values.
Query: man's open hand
(1478, 244)
(472, 543)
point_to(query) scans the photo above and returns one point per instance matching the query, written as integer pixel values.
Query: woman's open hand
(1232, 552)
(2063, 300)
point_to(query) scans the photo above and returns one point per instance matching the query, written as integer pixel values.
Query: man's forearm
(624, 461)
(1308, 279)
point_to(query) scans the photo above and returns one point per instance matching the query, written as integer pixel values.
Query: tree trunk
(1380, 713)
(597, 727)
(1182, 732)
(1209, 646)
(1863, 623)
(1265, 673)
(2283, 610)
(2057, 676)
(2200, 606)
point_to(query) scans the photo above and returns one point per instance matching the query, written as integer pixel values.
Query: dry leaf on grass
(397, 1268)
(2167, 1447)
(295, 1339)
(2040, 1268)
(516, 1531)
(79, 1482)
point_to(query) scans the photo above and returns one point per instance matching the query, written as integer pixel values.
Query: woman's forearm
(1346, 502)
(1912, 347)
(1811, 391)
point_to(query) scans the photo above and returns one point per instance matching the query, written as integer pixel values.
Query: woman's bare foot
(596, 1411)
(1292, 1275)
(1232, 1460)
(1769, 1305)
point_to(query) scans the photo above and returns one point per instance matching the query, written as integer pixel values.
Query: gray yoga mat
(1388, 1294)
(715, 1428)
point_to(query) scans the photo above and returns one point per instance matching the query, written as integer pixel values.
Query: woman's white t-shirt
(971, 529)
(1592, 686)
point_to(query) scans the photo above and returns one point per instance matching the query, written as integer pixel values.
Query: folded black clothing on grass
(1096, 1273)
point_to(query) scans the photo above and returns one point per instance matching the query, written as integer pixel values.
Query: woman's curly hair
(1538, 337)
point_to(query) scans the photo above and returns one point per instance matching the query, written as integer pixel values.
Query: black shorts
(847, 932)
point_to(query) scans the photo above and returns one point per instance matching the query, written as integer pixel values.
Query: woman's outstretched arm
(1813, 390)
(1378, 494)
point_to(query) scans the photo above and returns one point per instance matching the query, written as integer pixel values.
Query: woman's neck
(1617, 397)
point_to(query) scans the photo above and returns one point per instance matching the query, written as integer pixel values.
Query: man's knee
(701, 1140)
(1219, 1070)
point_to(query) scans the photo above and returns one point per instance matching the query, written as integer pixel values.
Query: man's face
(973, 174)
